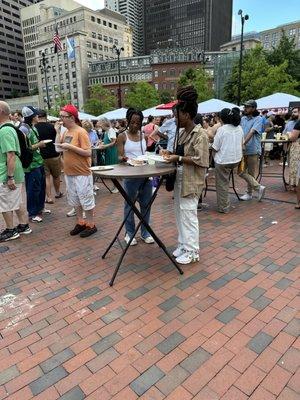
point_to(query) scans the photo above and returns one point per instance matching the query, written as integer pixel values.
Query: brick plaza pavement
(227, 329)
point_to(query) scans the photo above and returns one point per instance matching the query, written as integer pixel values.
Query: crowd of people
(226, 141)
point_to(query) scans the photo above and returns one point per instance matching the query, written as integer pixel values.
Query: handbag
(171, 178)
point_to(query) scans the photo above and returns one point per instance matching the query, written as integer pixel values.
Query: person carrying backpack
(11, 179)
(34, 174)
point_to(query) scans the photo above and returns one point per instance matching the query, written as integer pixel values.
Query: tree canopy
(141, 95)
(100, 100)
(260, 77)
(201, 81)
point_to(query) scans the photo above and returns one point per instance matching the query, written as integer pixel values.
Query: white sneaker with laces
(187, 257)
(246, 197)
(261, 192)
(37, 219)
(46, 211)
(148, 239)
(133, 242)
(178, 252)
(71, 213)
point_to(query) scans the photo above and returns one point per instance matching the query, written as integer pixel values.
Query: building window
(92, 18)
(105, 38)
(88, 45)
(94, 46)
(115, 27)
(104, 23)
(156, 74)
(89, 54)
(110, 25)
(98, 21)
(94, 35)
(99, 36)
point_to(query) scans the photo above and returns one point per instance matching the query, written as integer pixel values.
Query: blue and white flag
(70, 48)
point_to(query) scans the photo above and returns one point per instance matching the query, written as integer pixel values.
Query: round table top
(275, 141)
(143, 171)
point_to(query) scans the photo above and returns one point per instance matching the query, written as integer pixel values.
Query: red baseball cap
(71, 109)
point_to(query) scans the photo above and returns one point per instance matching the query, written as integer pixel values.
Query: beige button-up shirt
(195, 146)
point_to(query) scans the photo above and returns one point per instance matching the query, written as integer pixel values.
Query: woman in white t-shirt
(228, 151)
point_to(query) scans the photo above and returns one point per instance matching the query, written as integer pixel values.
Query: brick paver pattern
(227, 329)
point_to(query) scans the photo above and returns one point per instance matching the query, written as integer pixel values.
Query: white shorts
(10, 200)
(80, 191)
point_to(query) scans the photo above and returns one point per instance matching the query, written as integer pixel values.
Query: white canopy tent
(83, 115)
(50, 118)
(276, 100)
(156, 113)
(213, 105)
(120, 113)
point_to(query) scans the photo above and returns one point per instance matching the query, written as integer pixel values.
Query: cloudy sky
(264, 14)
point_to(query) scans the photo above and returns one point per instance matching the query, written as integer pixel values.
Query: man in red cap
(77, 161)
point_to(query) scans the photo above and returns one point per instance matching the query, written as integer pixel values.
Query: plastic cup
(278, 136)
(264, 136)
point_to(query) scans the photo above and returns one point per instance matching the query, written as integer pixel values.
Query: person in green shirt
(34, 175)
(11, 179)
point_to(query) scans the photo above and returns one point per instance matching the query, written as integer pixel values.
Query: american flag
(57, 41)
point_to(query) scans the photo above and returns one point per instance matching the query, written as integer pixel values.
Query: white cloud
(93, 4)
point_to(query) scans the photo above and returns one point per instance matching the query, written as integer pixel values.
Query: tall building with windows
(112, 5)
(13, 81)
(133, 11)
(94, 34)
(204, 24)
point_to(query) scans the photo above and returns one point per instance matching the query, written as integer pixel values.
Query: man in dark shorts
(52, 163)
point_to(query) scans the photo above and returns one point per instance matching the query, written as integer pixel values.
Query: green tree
(201, 81)
(100, 100)
(286, 51)
(141, 95)
(259, 78)
(61, 100)
(165, 97)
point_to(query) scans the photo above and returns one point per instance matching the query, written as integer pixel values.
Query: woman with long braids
(191, 155)
(131, 144)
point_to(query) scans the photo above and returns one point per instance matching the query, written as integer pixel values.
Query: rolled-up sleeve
(201, 151)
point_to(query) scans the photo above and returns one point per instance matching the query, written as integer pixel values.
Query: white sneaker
(46, 211)
(187, 257)
(114, 190)
(37, 219)
(96, 187)
(246, 197)
(261, 192)
(71, 213)
(133, 242)
(178, 252)
(148, 239)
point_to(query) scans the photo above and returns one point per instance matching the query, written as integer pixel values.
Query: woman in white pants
(191, 153)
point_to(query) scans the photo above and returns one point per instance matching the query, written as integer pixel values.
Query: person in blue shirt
(251, 124)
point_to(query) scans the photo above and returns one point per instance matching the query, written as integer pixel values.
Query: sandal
(58, 196)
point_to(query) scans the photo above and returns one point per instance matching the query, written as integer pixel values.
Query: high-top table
(285, 150)
(124, 171)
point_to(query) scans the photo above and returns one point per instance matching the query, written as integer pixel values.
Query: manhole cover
(3, 249)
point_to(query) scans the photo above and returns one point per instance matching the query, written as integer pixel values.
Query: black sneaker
(23, 229)
(88, 231)
(77, 229)
(9, 234)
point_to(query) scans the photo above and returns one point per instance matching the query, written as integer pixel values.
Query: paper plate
(48, 141)
(102, 168)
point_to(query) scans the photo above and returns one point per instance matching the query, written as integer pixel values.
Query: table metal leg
(116, 183)
(141, 221)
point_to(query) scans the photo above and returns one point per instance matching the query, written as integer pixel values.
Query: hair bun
(188, 94)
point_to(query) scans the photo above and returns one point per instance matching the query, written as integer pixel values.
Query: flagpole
(69, 75)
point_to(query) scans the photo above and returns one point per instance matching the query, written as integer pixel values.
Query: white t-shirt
(228, 143)
(111, 134)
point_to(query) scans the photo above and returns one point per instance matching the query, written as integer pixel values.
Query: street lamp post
(118, 52)
(243, 19)
(44, 68)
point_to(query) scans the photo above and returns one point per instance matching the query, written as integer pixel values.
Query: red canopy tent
(167, 106)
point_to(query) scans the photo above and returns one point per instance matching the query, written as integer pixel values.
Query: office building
(133, 11)
(204, 24)
(112, 5)
(13, 81)
(94, 34)
(271, 37)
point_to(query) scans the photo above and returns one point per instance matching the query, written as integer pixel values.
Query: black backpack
(26, 155)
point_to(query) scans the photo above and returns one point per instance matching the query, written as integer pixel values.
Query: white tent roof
(120, 113)
(213, 105)
(83, 115)
(276, 100)
(51, 118)
(156, 113)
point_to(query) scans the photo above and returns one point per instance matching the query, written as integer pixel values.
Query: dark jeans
(35, 191)
(131, 187)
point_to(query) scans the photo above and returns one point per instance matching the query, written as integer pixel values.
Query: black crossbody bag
(171, 178)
